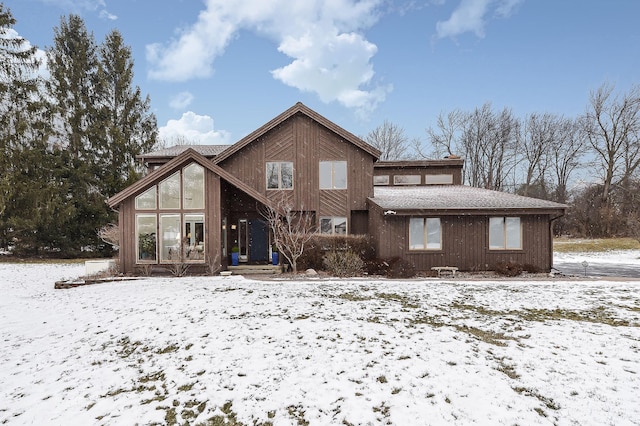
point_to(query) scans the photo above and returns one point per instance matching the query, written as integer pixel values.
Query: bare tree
(488, 144)
(110, 234)
(565, 156)
(539, 133)
(292, 229)
(612, 125)
(390, 139)
(445, 137)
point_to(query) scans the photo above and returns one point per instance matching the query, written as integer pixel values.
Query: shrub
(343, 263)
(395, 267)
(508, 269)
(400, 268)
(319, 245)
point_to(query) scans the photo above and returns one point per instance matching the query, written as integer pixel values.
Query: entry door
(258, 241)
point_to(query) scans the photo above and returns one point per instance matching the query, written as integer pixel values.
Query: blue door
(258, 241)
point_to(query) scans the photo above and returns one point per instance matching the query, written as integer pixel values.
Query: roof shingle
(454, 197)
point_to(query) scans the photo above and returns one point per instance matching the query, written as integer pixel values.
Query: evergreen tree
(126, 128)
(72, 86)
(25, 157)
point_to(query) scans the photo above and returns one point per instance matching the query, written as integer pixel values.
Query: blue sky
(217, 69)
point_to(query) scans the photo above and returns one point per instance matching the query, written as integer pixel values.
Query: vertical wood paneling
(465, 242)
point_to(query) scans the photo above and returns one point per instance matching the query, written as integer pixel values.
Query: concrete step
(255, 269)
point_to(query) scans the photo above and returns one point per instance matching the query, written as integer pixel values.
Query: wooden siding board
(464, 242)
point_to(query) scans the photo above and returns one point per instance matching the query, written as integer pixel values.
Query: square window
(333, 175)
(279, 175)
(333, 225)
(505, 233)
(425, 233)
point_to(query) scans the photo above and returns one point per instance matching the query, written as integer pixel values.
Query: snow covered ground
(349, 352)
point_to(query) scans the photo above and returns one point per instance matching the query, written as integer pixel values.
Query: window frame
(332, 176)
(397, 180)
(279, 165)
(425, 234)
(381, 180)
(333, 220)
(139, 259)
(505, 233)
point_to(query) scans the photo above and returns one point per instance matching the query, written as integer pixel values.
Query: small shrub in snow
(343, 263)
(508, 269)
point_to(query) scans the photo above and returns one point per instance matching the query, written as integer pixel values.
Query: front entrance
(253, 241)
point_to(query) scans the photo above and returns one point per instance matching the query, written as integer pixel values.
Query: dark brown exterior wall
(305, 143)
(464, 241)
(213, 224)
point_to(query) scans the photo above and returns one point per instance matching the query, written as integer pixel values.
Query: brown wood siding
(305, 142)
(465, 243)
(427, 170)
(213, 218)
(127, 224)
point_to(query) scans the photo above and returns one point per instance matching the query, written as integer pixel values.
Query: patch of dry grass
(569, 245)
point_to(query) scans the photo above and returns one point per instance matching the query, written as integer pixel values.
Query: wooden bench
(449, 270)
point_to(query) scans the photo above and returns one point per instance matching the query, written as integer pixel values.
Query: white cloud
(470, 16)
(330, 56)
(192, 128)
(104, 14)
(181, 100)
(89, 5)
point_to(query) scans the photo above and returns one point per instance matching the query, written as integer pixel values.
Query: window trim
(140, 261)
(504, 234)
(397, 180)
(425, 234)
(333, 225)
(333, 175)
(438, 179)
(382, 180)
(279, 165)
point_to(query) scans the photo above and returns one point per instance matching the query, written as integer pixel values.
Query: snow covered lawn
(202, 349)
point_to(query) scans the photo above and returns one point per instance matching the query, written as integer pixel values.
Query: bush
(343, 263)
(531, 269)
(317, 248)
(392, 268)
(508, 269)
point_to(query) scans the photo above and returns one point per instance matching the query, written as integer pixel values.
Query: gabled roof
(174, 151)
(189, 155)
(298, 108)
(456, 199)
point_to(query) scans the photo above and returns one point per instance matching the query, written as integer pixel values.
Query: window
(194, 236)
(170, 237)
(406, 180)
(333, 225)
(147, 200)
(146, 243)
(333, 175)
(173, 235)
(425, 233)
(381, 180)
(170, 192)
(279, 175)
(505, 233)
(193, 186)
(438, 179)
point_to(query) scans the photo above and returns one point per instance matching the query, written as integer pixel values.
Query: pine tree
(73, 82)
(126, 128)
(24, 133)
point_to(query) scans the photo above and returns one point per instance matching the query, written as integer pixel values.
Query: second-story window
(279, 175)
(333, 175)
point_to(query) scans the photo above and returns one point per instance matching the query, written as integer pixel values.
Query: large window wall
(170, 219)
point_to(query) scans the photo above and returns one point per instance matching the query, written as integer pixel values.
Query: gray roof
(454, 197)
(174, 151)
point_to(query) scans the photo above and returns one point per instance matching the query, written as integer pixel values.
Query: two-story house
(207, 200)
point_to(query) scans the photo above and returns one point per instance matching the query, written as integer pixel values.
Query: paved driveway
(625, 270)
